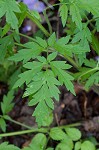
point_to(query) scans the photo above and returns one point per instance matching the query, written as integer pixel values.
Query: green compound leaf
(27, 76)
(69, 49)
(90, 6)
(9, 8)
(57, 134)
(6, 146)
(7, 105)
(93, 79)
(84, 34)
(31, 50)
(4, 43)
(73, 133)
(76, 17)
(38, 142)
(43, 89)
(58, 67)
(43, 114)
(63, 14)
(87, 145)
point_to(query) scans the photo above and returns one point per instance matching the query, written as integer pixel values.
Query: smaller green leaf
(62, 146)
(63, 77)
(6, 146)
(51, 56)
(50, 148)
(36, 14)
(5, 29)
(73, 133)
(38, 142)
(95, 44)
(68, 141)
(57, 134)
(31, 50)
(93, 140)
(13, 78)
(27, 76)
(16, 36)
(41, 59)
(64, 40)
(52, 40)
(4, 43)
(7, 117)
(97, 24)
(77, 145)
(2, 124)
(87, 145)
(22, 15)
(33, 88)
(93, 79)
(7, 105)
(42, 113)
(24, 77)
(63, 13)
(76, 17)
(41, 42)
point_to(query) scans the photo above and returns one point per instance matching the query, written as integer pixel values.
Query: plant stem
(54, 5)
(21, 124)
(70, 125)
(48, 22)
(87, 72)
(42, 130)
(71, 61)
(36, 21)
(26, 36)
(18, 44)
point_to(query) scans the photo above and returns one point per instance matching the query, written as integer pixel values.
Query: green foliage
(41, 76)
(31, 50)
(44, 64)
(77, 145)
(93, 79)
(95, 43)
(5, 44)
(8, 147)
(9, 12)
(2, 124)
(75, 13)
(87, 145)
(63, 13)
(66, 139)
(6, 107)
(38, 142)
(73, 133)
(57, 134)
